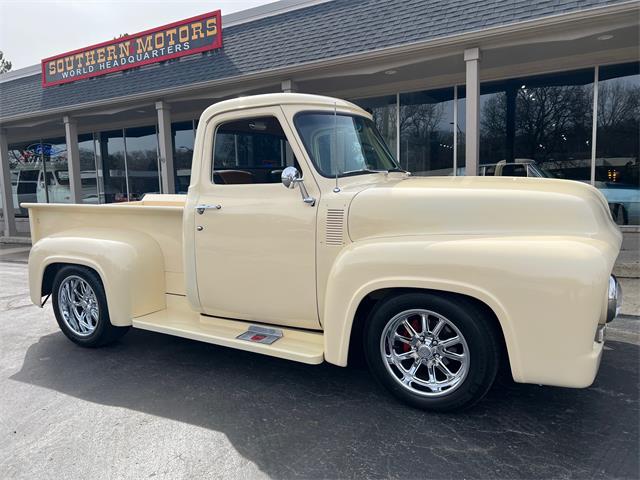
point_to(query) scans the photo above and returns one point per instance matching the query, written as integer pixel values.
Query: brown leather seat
(235, 177)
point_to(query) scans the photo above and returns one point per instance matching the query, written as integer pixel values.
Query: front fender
(546, 292)
(129, 263)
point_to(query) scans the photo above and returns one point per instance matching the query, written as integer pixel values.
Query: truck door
(255, 240)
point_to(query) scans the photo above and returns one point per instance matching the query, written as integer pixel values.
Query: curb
(15, 240)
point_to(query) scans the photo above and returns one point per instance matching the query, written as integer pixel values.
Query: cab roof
(272, 99)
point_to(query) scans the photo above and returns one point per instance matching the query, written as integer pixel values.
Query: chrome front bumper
(614, 300)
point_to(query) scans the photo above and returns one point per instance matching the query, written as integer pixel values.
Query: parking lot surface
(154, 406)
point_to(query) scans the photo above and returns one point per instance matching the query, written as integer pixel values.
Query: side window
(251, 150)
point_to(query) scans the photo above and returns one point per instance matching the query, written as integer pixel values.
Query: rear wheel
(433, 352)
(80, 307)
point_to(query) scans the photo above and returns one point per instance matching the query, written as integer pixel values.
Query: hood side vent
(335, 226)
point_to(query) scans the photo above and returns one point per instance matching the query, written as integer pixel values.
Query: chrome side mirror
(290, 178)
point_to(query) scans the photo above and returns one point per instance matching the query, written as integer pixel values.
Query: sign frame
(216, 44)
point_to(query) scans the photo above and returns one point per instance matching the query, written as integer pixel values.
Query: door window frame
(205, 180)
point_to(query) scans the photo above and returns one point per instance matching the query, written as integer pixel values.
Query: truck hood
(480, 206)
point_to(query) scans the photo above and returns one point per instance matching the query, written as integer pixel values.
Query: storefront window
(617, 141)
(545, 119)
(113, 166)
(53, 180)
(384, 113)
(142, 162)
(39, 172)
(426, 132)
(88, 171)
(24, 164)
(183, 134)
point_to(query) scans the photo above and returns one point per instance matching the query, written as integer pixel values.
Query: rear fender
(129, 263)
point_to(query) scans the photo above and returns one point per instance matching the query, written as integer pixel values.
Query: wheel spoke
(444, 369)
(409, 328)
(74, 318)
(438, 328)
(402, 339)
(424, 319)
(404, 356)
(452, 355)
(432, 374)
(449, 342)
(409, 375)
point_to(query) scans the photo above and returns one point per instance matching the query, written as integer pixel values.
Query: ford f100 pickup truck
(301, 238)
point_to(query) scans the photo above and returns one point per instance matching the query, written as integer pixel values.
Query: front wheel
(80, 307)
(432, 351)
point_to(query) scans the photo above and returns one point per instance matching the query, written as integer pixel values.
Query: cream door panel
(256, 254)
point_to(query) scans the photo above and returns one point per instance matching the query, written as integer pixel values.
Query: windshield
(344, 144)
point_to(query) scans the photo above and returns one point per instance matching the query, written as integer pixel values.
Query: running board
(179, 320)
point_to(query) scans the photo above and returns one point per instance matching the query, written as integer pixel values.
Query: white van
(59, 189)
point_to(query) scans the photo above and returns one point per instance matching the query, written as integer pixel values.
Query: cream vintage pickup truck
(301, 238)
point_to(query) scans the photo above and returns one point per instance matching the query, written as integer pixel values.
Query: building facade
(463, 87)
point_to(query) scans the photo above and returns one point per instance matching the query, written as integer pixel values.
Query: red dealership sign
(186, 37)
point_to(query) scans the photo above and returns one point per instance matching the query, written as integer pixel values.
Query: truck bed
(159, 216)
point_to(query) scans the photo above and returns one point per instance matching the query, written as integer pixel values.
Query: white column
(472, 146)
(73, 158)
(289, 86)
(167, 171)
(8, 211)
(594, 125)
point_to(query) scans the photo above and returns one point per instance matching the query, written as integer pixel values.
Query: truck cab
(300, 237)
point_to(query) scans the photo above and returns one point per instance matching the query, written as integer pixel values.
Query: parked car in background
(24, 185)
(363, 257)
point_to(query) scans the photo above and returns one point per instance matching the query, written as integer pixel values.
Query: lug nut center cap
(425, 352)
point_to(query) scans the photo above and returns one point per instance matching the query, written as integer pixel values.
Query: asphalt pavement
(155, 406)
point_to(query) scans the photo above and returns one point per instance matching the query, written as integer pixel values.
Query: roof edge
(459, 40)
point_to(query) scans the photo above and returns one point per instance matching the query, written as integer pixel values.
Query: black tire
(478, 331)
(104, 332)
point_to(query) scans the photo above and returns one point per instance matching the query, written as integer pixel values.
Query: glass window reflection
(183, 138)
(143, 175)
(113, 166)
(24, 165)
(618, 141)
(426, 132)
(88, 171)
(545, 119)
(384, 113)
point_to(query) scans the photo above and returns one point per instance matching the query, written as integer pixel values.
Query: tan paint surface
(538, 252)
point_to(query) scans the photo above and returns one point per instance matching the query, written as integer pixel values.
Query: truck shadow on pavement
(295, 420)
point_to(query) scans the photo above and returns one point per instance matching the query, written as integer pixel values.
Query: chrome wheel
(78, 305)
(425, 352)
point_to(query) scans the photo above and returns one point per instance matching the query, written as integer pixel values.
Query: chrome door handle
(201, 208)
